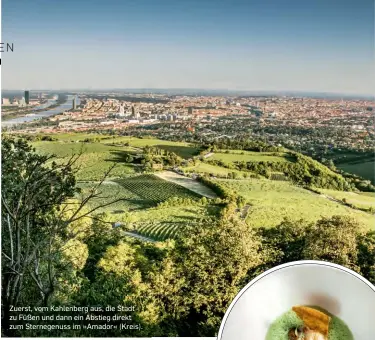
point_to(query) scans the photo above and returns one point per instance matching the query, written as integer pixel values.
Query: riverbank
(31, 111)
(57, 108)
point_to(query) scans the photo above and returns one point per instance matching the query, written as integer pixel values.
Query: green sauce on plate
(279, 329)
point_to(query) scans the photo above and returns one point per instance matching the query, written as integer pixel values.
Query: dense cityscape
(325, 128)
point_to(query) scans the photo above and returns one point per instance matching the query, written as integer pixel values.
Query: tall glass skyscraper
(27, 97)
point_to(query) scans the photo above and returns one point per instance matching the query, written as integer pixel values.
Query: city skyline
(239, 45)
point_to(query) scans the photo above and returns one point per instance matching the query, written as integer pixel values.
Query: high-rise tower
(121, 111)
(27, 97)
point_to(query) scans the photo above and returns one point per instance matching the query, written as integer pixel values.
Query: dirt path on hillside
(335, 200)
(187, 183)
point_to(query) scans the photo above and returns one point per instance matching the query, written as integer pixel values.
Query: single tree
(334, 240)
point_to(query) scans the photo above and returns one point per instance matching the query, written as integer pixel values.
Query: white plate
(337, 289)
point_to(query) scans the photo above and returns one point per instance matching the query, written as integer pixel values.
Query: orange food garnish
(313, 319)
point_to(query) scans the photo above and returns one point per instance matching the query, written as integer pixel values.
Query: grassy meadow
(95, 160)
(247, 156)
(184, 150)
(360, 200)
(272, 201)
(214, 170)
(97, 157)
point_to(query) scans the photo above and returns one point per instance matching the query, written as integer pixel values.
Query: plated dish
(308, 323)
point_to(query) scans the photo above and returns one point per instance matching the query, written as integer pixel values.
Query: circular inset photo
(303, 300)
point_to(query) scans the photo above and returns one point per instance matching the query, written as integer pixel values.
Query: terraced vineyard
(161, 223)
(154, 189)
(109, 192)
(160, 230)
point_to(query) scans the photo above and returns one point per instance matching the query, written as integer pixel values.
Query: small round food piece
(313, 335)
(292, 335)
(304, 334)
(297, 333)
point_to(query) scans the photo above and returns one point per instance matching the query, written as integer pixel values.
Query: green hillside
(360, 200)
(231, 156)
(299, 169)
(95, 160)
(363, 169)
(272, 201)
(101, 152)
(214, 170)
(269, 201)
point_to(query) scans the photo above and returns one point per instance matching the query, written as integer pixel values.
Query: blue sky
(312, 45)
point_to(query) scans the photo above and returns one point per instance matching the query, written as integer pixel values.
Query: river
(48, 113)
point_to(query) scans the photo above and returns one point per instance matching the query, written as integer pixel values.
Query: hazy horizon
(252, 46)
(196, 91)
